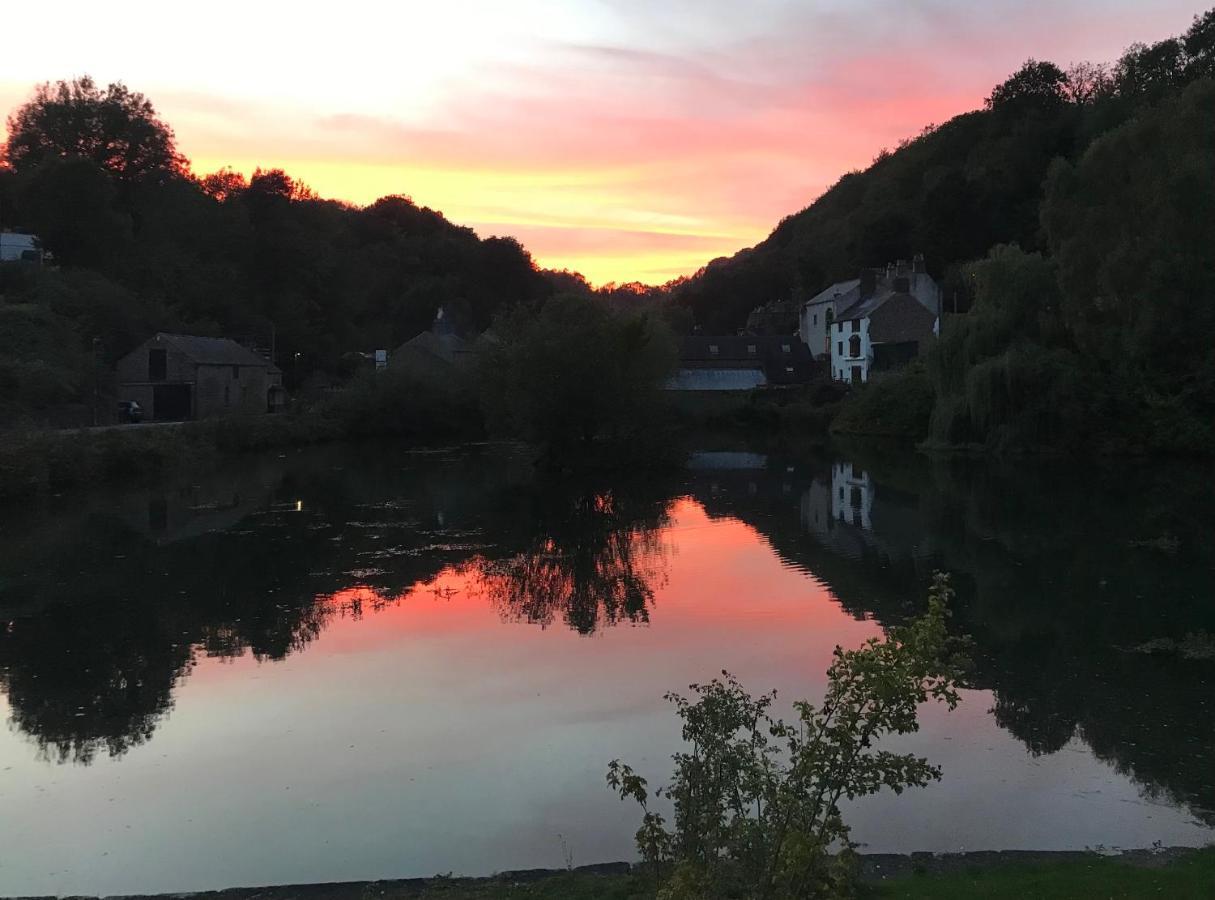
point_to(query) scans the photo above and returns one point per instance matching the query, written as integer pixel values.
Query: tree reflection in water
(593, 559)
(1057, 577)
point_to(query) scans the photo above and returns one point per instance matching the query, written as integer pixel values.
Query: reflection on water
(372, 591)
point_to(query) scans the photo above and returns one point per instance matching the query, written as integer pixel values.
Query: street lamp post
(96, 377)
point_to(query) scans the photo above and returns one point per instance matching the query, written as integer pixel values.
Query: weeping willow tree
(1005, 375)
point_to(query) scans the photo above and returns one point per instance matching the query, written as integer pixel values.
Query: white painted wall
(842, 362)
(812, 326)
(851, 496)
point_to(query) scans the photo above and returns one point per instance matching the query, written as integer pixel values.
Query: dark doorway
(856, 375)
(170, 402)
(158, 364)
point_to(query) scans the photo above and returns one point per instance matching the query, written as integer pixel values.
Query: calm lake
(356, 663)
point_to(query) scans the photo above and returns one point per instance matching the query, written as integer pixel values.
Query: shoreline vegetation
(1176, 872)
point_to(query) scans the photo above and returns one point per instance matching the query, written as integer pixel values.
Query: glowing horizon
(623, 142)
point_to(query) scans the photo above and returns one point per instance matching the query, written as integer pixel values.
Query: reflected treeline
(1062, 572)
(592, 555)
(105, 606)
(106, 602)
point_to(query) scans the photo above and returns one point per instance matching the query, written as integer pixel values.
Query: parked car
(130, 411)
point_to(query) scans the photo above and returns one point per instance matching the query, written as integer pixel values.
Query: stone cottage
(183, 376)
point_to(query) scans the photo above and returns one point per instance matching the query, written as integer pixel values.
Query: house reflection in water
(851, 496)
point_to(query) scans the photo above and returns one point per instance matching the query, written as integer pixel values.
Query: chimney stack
(917, 264)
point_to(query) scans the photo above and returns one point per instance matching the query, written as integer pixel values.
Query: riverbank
(394, 404)
(1175, 872)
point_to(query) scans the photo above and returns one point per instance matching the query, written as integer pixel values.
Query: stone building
(182, 376)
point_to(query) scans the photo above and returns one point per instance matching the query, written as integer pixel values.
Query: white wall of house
(851, 496)
(847, 354)
(927, 291)
(812, 326)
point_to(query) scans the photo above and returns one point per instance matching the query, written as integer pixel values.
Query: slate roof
(447, 347)
(847, 291)
(899, 318)
(764, 352)
(862, 308)
(209, 351)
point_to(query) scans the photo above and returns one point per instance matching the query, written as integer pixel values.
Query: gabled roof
(446, 347)
(862, 308)
(209, 351)
(900, 317)
(773, 354)
(842, 289)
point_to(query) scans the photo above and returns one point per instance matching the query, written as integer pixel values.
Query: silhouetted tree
(572, 371)
(1037, 84)
(116, 128)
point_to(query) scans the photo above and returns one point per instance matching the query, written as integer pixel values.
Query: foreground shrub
(898, 404)
(756, 800)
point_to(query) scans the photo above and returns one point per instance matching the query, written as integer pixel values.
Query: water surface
(356, 663)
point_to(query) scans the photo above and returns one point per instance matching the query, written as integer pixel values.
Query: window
(788, 370)
(227, 395)
(839, 348)
(235, 372)
(785, 348)
(814, 319)
(158, 364)
(751, 349)
(856, 325)
(854, 346)
(713, 349)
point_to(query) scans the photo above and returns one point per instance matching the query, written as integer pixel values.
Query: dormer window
(785, 348)
(713, 349)
(751, 349)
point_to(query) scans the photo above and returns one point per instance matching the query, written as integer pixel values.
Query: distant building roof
(862, 308)
(846, 290)
(447, 347)
(774, 355)
(899, 318)
(210, 351)
(15, 246)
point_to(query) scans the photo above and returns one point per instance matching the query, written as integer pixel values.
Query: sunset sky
(625, 139)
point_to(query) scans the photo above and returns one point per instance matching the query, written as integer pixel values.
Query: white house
(818, 314)
(875, 322)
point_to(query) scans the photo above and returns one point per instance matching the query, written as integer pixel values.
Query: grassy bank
(1191, 876)
(1174, 874)
(398, 403)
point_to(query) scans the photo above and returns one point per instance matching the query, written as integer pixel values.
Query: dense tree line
(955, 190)
(141, 244)
(1073, 217)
